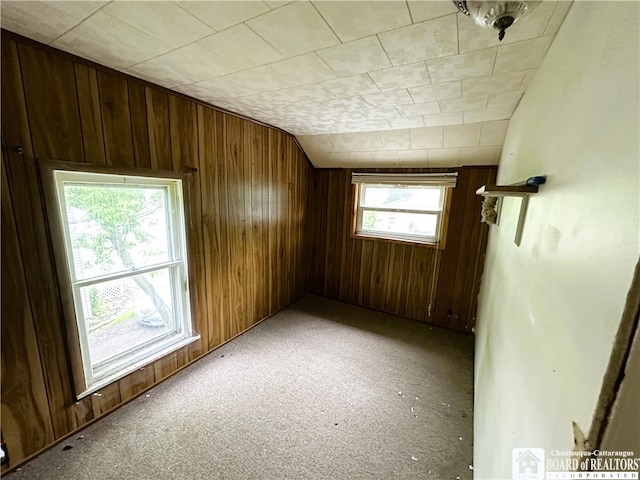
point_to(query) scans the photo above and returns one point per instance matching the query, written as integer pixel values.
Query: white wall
(549, 309)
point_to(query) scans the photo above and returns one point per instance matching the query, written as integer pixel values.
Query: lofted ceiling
(359, 83)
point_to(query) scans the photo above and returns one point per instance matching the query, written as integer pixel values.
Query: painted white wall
(549, 309)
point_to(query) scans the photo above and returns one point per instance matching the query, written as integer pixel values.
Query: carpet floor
(321, 390)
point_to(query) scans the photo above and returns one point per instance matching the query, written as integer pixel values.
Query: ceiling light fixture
(498, 15)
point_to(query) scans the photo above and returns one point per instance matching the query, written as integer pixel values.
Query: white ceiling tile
(379, 113)
(418, 109)
(474, 64)
(255, 80)
(493, 133)
(360, 156)
(462, 135)
(487, 115)
(367, 141)
(414, 155)
(444, 157)
(315, 143)
(277, 3)
(45, 21)
(304, 69)
(522, 56)
(480, 156)
(528, 77)
(110, 42)
(362, 125)
(427, 137)
(223, 14)
(274, 62)
(355, 57)
(351, 86)
(296, 96)
(472, 37)
(344, 142)
(422, 41)
(299, 22)
(395, 139)
(493, 84)
(422, 10)
(189, 64)
(190, 89)
(330, 160)
(504, 100)
(389, 157)
(464, 103)
(353, 20)
(243, 46)
(389, 98)
(401, 77)
(351, 105)
(164, 21)
(562, 8)
(406, 122)
(432, 93)
(439, 119)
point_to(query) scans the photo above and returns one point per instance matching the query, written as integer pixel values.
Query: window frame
(84, 380)
(439, 241)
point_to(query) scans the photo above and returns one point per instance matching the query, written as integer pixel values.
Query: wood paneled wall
(400, 278)
(246, 238)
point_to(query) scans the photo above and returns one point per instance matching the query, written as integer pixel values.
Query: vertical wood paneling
(248, 199)
(165, 366)
(236, 226)
(211, 224)
(26, 419)
(82, 412)
(185, 158)
(415, 281)
(346, 258)
(139, 127)
(248, 190)
(158, 124)
(89, 102)
(138, 381)
(31, 230)
(52, 104)
(116, 120)
(106, 399)
(258, 198)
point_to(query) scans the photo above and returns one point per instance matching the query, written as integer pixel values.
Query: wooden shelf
(506, 190)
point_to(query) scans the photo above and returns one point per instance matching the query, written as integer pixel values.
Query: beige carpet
(322, 390)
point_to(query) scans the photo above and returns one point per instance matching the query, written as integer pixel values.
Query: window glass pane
(401, 197)
(123, 314)
(402, 223)
(115, 228)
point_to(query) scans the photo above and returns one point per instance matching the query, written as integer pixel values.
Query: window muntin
(125, 244)
(400, 212)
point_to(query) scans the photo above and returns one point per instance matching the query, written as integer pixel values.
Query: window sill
(360, 236)
(137, 366)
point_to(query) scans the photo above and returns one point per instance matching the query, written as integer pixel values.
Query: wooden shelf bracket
(523, 191)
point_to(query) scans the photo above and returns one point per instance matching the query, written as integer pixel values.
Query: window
(125, 246)
(408, 207)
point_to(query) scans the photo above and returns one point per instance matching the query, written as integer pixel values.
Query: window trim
(47, 169)
(443, 214)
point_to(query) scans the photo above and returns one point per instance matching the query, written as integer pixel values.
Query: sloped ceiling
(359, 83)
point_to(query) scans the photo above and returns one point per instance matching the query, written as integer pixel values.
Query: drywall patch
(551, 238)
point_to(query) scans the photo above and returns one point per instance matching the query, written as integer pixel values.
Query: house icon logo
(528, 464)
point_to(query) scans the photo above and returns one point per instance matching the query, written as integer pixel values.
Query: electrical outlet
(5, 454)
